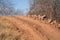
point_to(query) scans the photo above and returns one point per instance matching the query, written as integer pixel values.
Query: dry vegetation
(49, 8)
(28, 27)
(41, 22)
(8, 31)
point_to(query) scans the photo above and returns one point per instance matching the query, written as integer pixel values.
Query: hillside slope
(20, 27)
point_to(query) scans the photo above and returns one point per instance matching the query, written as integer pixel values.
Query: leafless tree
(6, 7)
(51, 8)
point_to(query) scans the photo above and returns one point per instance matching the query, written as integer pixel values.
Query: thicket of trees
(6, 8)
(51, 8)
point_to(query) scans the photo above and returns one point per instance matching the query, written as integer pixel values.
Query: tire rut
(48, 30)
(26, 27)
(35, 27)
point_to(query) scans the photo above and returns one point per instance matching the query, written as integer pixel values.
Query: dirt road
(31, 29)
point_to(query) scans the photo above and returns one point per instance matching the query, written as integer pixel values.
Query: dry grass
(8, 31)
(27, 28)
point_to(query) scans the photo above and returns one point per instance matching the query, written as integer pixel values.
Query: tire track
(25, 32)
(35, 28)
(48, 30)
(36, 37)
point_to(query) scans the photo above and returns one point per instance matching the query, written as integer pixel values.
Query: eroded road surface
(30, 28)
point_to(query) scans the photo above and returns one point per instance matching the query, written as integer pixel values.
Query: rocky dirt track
(20, 27)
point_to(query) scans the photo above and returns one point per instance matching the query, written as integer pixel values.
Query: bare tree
(43, 7)
(48, 7)
(57, 10)
(18, 12)
(6, 7)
